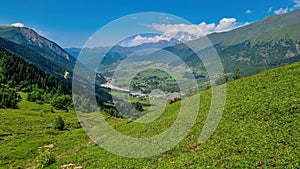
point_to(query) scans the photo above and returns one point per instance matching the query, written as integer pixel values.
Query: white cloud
(226, 24)
(186, 32)
(17, 24)
(138, 40)
(248, 12)
(295, 6)
(281, 11)
(270, 9)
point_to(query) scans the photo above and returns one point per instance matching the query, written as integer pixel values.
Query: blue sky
(71, 23)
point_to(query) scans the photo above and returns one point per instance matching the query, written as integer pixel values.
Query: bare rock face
(34, 39)
(298, 47)
(290, 54)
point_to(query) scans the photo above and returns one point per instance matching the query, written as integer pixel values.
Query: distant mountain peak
(36, 49)
(30, 38)
(149, 39)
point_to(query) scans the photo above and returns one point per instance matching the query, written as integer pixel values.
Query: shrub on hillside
(138, 106)
(175, 100)
(35, 96)
(59, 123)
(9, 98)
(44, 158)
(62, 102)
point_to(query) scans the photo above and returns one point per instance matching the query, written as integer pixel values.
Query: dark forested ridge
(9, 97)
(33, 57)
(18, 75)
(37, 67)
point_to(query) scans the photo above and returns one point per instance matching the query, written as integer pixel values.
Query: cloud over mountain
(18, 24)
(287, 9)
(281, 11)
(138, 40)
(186, 32)
(226, 24)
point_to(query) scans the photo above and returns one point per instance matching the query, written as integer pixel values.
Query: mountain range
(271, 42)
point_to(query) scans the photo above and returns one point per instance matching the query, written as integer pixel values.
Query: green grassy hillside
(289, 32)
(259, 129)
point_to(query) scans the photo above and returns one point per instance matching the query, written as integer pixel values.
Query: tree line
(18, 75)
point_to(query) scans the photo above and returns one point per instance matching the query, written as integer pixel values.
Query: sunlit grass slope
(259, 129)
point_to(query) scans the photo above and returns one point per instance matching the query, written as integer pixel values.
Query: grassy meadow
(259, 129)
